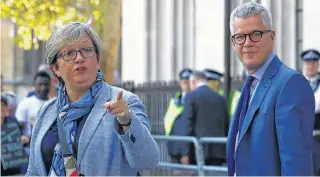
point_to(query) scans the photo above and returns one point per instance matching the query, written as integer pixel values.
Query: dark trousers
(10, 172)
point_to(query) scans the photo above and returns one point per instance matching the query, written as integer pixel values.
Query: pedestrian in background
(310, 70)
(28, 108)
(173, 122)
(207, 115)
(9, 130)
(214, 80)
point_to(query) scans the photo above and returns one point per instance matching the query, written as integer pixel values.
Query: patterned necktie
(245, 103)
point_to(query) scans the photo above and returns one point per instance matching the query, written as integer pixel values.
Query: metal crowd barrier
(198, 149)
(198, 144)
(215, 140)
(316, 132)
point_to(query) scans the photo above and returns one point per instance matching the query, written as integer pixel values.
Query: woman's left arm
(140, 148)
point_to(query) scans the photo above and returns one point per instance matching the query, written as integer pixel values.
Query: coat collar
(261, 91)
(93, 120)
(47, 122)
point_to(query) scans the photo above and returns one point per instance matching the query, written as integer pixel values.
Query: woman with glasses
(91, 128)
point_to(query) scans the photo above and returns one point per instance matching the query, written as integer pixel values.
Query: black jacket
(207, 115)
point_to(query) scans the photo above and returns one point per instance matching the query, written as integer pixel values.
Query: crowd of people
(74, 123)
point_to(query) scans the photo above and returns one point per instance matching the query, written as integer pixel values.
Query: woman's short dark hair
(41, 74)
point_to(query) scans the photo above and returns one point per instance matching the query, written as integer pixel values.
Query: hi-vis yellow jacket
(174, 110)
(235, 96)
(233, 100)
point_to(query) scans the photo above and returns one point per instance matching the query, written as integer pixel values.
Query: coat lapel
(93, 120)
(260, 93)
(47, 122)
(232, 136)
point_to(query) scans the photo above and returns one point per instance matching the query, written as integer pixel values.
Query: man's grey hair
(198, 75)
(249, 9)
(68, 34)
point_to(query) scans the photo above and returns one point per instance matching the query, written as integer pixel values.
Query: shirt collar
(314, 78)
(259, 73)
(201, 84)
(183, 94)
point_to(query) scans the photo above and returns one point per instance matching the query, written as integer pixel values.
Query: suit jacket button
(133, 139)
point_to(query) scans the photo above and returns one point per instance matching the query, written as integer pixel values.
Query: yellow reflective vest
(234, 101)
(172, 113)
(220, 92)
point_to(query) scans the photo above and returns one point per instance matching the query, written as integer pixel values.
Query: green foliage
(44, 16)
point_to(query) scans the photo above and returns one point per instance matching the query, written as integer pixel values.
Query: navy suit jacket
(276, 137)
(207, 115)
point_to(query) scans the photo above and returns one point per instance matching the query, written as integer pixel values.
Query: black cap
(212, 74)
(185, 73)
(310, 55)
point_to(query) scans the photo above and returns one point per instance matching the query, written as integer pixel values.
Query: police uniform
(233, 101)
(234, 95)
(313, 55)
(174, 124)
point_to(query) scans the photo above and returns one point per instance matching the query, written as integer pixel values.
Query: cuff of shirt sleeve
(133, 133)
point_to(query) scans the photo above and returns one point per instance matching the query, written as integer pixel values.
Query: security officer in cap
(173, 122)
(310, 71)
(214, 80)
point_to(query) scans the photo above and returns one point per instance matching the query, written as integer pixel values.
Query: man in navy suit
(207, 115)
(271, 131)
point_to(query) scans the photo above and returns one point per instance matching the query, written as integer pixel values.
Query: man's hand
(185, 160)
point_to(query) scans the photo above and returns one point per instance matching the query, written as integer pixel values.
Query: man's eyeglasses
(255, 36)
(72, 54)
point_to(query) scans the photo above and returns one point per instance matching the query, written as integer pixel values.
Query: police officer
(173, 123)
(310, 71)
(214, 80)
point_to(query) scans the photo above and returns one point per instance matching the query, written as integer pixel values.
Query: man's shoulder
(31, 101)
(285, 73)
(192, 93)
(27, 101)
(205, 90)
(288, 78)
